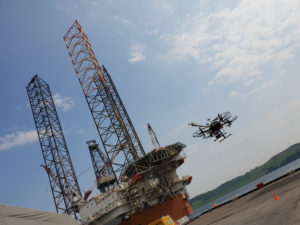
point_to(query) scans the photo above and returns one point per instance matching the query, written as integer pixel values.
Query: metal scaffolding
(119, 139)
(102, 169)
(154, 178)
(58, 164)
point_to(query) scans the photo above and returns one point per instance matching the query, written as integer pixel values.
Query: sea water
(248, 187)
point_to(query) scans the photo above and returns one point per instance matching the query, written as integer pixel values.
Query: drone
(215, 128)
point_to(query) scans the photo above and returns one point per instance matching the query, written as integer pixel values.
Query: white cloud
(238, 42)
(282, 73)
(22, 106)
(164, 6)
(136, 53)
(65, 8)
(136, 57)
(64, 103)
(264, 85)
(233, 93)
(249, 82)
(152, 32)
(17, 139)
(121, 20)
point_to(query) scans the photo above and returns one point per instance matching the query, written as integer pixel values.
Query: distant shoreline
(281, 159)
(276, 204)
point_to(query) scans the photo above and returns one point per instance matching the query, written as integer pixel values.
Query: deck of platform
(260, 207)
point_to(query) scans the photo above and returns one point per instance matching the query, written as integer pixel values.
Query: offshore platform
(135, 187)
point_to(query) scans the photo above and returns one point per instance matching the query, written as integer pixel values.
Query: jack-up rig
(135, 187)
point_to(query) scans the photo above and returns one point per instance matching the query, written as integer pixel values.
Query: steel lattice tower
(58, 164)
(119, 139)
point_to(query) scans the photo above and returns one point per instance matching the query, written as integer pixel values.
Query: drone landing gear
(223, 138)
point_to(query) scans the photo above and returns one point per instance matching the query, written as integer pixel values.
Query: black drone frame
(214, 128)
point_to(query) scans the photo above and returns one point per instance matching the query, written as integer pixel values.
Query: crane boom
(153, 137)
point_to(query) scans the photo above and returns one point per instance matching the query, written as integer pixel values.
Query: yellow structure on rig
(165, 220)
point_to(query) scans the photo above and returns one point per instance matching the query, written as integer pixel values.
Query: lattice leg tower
(58, 164)
(119, 139)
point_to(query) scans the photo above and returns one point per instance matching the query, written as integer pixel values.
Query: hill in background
(279, 160)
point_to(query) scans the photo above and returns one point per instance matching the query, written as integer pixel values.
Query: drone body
(215, 127)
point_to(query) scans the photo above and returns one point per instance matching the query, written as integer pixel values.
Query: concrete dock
(260, 206)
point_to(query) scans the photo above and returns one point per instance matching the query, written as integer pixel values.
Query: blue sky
(172, 63)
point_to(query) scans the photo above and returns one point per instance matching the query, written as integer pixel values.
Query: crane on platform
(153, 137)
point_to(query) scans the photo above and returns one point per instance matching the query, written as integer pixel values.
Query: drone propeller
(229, 121)
(220, 117)
(234, 118)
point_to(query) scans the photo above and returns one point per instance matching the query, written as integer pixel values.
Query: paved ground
(260, 207)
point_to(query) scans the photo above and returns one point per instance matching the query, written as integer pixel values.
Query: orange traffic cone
(215, 205)
(275, 197)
